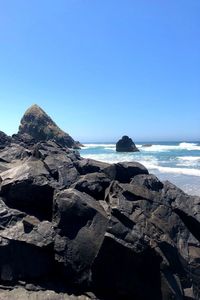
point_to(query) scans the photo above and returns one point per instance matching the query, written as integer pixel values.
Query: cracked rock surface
(74, 228)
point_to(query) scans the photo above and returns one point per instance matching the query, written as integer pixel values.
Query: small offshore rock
(125, 144)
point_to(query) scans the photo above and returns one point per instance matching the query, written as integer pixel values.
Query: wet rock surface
(74, 228)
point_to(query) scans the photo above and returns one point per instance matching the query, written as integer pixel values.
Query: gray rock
(93, 184)
(23, 294)
(27, 187)
(27, 254)
(37, 126)
(81, 223)
(8, 216)
(73, 225)
(149, 216)
(148, 180)
(5, 140)
(125, 171)
(85, 166)
(14, 152)
(125, 144)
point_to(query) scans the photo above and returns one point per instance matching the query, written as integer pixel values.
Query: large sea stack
(126, 144)
(79, 229)
(37, 126)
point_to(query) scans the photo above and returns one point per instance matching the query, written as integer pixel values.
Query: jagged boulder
(85, 166)
(93, 184)
(77, 225)
(37, 126)
(123, 172)
(165, 219)
(81, 223)
(5, 140)
(125, 144)
(26, 251)
(28, 187)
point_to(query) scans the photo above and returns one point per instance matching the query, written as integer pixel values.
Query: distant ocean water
(173, 161)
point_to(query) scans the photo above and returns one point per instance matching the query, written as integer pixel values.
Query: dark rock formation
(82, 224)
(91, 230)
(5, 140)
(37, 126)
(28, 187)
(125, 144)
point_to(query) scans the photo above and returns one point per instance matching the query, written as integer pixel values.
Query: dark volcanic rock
(81, 225)
(75, 225)
(85, 166)
(125, 171)
(14, 152)
(37, 126)
(148, 180)
(125, 144)
(26, 255)
(5, 140)
(8, 216)
(93, 184)
(122, 274)
(27, 187)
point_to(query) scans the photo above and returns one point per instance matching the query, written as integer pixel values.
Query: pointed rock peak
(34, 107)
(35, 110)
(37, 126)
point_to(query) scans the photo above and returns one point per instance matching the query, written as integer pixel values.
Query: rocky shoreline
(74, 228)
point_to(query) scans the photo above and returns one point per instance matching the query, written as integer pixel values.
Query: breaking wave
(179, 162)
(105, 146)
(166, 148)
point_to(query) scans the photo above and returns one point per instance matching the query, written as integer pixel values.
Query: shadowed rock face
(37, 126)
(5, 140)
(125, 144)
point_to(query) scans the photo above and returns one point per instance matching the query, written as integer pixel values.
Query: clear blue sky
(103, 68)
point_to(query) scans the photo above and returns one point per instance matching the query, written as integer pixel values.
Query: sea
(178, 162)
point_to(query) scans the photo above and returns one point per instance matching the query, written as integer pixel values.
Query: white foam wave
(153, 148)
(183, 171)
(170, 170)
(159, 148)
(189, 158)
(166, 148)
(189, 146)
(110, 148)
(189, 161)
(88, 146)
(149, 162)
(109, 158)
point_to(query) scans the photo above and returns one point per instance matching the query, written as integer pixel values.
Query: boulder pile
(77, 228)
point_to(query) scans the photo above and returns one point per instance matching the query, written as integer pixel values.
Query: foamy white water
(167, 148)
(178, 162)
(88, 146)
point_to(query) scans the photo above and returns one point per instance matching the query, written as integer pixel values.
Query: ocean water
(173, 161)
